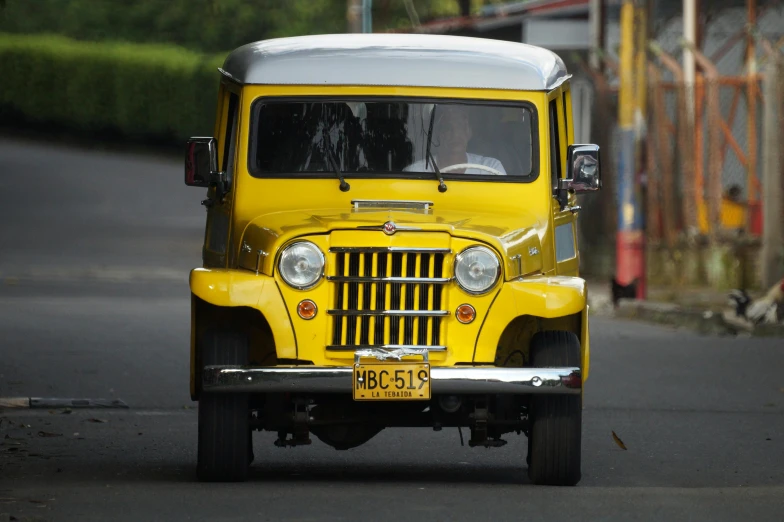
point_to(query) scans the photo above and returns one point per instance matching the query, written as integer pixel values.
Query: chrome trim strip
(357, 279)
(338, 379)
(403, 250)
(354, 348)
(557, 83)
(382, 228)
(390, 203)
(519, 260)
(228, 75)
(382, 354)
(262, 253)
(396, 313)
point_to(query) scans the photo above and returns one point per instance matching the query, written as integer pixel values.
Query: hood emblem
(533, 251)
(390, 228)
(387, 228)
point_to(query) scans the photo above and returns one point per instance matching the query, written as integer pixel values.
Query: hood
(510, 234)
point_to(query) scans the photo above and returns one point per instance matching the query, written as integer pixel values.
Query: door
(216, 234)
(567, 260)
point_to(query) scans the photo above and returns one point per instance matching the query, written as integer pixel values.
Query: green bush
(204, 25)
(139, 91)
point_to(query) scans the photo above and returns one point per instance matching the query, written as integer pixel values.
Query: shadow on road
(451, 473)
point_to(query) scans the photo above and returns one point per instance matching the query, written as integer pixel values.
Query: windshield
(383, 138)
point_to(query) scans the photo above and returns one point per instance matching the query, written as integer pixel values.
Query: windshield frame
(259, 101)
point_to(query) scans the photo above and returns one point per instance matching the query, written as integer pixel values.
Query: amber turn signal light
(465, 313)
(307, 309)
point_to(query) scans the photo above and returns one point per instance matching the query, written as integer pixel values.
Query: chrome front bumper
(338, 379)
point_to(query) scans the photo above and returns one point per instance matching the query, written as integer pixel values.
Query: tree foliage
(147, 69)
(204, 25)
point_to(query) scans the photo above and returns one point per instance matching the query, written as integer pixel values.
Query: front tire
(555, 433)
(225, 445)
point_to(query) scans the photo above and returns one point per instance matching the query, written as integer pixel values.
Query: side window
(230, 138)
(555, 144)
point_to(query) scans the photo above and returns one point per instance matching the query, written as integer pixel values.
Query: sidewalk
(704, 310)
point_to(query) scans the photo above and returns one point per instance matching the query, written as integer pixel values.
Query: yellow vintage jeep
(390, 242)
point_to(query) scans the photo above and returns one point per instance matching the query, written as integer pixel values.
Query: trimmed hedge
(140, 91)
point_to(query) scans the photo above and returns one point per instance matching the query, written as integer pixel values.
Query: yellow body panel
(500, 203)
(511, 218)
(242, 288)
(499, 230)
(540, 297)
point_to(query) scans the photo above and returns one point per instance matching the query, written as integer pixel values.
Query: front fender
(544, 297)
(229, 288)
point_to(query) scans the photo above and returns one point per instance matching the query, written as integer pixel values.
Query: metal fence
(704, 173)
(707, 148)
(702, 176)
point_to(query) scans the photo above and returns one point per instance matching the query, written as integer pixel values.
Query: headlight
(301, 264)
(477, 269)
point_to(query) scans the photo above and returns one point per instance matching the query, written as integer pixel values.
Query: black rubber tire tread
(224, 429)
(554, 443)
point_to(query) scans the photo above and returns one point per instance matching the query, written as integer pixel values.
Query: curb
(14, 402)
(50, 403)
(44, 274)
(706, 322)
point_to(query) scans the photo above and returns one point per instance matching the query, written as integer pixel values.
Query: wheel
(555, 432)
(225, 446)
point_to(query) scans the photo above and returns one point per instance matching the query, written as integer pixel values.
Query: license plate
(405, 381)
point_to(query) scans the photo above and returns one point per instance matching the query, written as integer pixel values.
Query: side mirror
(584, 168)
(201, 162)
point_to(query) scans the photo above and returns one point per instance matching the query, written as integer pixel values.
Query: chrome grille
(387, 297)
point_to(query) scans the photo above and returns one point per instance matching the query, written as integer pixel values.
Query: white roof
(396, 60)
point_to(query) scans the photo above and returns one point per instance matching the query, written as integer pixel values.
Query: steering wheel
(472, 166)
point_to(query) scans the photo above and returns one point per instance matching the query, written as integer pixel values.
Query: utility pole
(465, 7)
(630, 240)
(596, 16)
(354, 16)
(751, 104)
(689, 63)
(367, 16)
(773, 169)
(641, 21)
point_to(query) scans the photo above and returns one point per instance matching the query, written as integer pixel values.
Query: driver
(449, 144)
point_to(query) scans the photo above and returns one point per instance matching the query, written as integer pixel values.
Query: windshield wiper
(344, 186)
(429, 156)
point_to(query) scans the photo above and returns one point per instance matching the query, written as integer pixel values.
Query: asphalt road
(94, 304)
